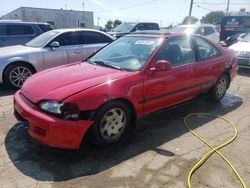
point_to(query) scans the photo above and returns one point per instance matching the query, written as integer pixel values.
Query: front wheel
(220, 88)
(16, 74)
(112, 120)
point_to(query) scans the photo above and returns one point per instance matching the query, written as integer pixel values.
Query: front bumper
(50, 130)
(243, 62)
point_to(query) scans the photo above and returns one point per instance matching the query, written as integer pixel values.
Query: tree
(109, 25)
(116, 23)
(192, 19)
(213, 17)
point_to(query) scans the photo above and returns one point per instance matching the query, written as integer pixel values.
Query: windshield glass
(125, 27)
(246, 38)
(128, 53)
(42, 39)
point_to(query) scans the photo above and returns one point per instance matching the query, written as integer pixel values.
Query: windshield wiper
(107, 65)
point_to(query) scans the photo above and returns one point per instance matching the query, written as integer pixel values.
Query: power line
(215, 4)
(203, 7)
(127, 7)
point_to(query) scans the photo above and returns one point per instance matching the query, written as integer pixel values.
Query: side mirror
(161, 65)
(54, 44)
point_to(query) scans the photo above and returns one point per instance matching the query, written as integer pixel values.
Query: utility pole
(83, 14)
(98, 21)
(190, 11)
(228, 2)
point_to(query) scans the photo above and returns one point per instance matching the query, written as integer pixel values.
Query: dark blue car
(17, 32)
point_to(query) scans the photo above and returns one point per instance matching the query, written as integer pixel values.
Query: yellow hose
(213, 149)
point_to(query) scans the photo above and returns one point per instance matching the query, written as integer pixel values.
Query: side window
(200, 31)
(90, 37)
(70, 38)
(205, 49)
(19, 30)
(208, 31)
(2, 30)
(141, 27)
(178, 51)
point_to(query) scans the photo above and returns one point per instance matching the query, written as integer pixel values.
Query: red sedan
(128, 79)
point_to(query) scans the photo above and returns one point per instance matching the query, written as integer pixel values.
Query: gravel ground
(158, 153)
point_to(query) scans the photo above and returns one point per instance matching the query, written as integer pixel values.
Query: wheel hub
(113, 124)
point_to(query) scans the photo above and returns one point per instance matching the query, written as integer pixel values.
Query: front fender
(128, 88)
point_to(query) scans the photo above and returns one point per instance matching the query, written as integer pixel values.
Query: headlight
(66, 111)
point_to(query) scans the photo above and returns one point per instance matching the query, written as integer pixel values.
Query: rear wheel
(112, 121)
(220, 88)
(16, 74)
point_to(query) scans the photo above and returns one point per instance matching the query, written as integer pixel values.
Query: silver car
(53, 48)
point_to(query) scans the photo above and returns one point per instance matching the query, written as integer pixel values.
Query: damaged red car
(132, 77)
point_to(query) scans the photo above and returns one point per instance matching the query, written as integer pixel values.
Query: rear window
(45, 27)
(12, 29)
(2, 30)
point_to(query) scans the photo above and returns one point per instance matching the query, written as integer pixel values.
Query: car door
(211, 62)
(93, 41)
(69, 51)
(167, 88)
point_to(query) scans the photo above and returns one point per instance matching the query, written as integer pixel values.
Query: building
(58, 18)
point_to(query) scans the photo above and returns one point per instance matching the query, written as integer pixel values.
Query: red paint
(90, 86)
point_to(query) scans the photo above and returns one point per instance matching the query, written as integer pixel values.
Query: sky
(164, 12)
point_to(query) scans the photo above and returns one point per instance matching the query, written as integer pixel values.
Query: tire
(15, 74)
(219, 89)
(105, 131)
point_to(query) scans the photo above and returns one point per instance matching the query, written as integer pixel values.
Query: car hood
(60, 82)
(16, 50)
(241, 46)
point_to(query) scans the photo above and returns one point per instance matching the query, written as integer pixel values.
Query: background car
(53, 48)
(17, 32)
(132, 77)
(234, 38)
(207, 30)
(129, 27)
(242, 51)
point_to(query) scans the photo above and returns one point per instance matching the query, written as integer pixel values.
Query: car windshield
(125, 27)
(127, 53)
(42, 39)
(246, 38)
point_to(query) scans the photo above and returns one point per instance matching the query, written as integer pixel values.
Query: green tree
(116, 23)
(213, 17)
(192, 20)
(109, 25)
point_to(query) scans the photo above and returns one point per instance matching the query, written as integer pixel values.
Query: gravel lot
(159, 153)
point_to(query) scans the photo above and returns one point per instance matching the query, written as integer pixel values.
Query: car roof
(196, 25)
(77, 29)
(156, 33)
(20, 22)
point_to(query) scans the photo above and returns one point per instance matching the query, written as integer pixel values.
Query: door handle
(77, 51)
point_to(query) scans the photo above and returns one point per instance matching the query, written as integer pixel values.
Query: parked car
(234, 23)
(53, 48)
(132, 77)
(17, 32)
(129, 27)
(242, 51)
(207, 30)
(234, 38)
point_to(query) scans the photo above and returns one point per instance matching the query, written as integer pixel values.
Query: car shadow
(244, 72)
(48, 164)
(5, 91)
